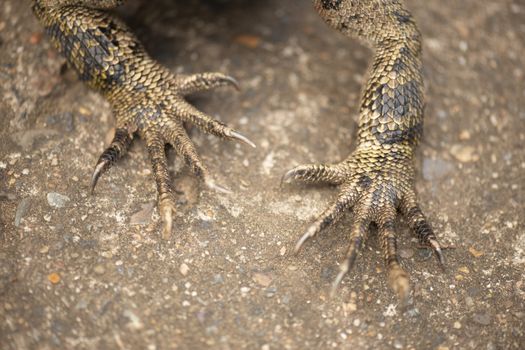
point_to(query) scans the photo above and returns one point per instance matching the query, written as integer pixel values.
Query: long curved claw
(310, 232)
(327, 218)
(347, 264)
(344, 268)
(438, 251)
(102, 166)
(186, 112)
(240, 137)
(419, 224)
(216, 187)
(118, 147)
(233, 82)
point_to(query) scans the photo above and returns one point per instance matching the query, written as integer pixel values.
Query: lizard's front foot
(375, 183)
(157, 113)
(146, 98)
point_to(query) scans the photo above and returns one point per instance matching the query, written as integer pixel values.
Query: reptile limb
(145, 97)
(376, 181)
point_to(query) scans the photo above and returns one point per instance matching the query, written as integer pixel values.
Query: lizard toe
(118, 147)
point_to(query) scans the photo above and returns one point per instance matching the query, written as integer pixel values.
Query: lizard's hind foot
(375, 185)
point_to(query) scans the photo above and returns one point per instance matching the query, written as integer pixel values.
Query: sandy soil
(91, 272)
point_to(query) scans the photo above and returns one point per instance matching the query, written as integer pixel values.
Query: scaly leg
(377, 179)
(146, 98)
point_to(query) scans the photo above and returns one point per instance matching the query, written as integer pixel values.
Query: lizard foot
(158, 116)
(146, 98)
(375, 183)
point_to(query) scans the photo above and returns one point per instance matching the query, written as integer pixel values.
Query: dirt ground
(91, 272)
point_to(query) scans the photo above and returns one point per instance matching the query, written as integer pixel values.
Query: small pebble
(475, 253)
(218, 279)
(21, 210)
(99, 269)
(350, 307)
(482, 319)
(184, 269)
(464, 135)
(143, 216)
(250, 41)
(57, 200)
(134, 321)
(262, 279)
(270, 292)
(53, 277)
(35, 38)
(425, 253)
(464, 154)
(464, 270)
(406, 253)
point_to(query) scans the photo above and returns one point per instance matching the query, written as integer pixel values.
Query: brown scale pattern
(376, 181)
(146, 98)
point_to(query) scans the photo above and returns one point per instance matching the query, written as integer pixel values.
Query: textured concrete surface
(78, 271)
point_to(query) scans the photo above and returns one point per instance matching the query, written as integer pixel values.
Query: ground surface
(92, 272)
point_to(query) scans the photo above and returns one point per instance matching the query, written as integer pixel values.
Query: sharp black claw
(233, 82)
(119, 146)
(438, 251)
(101, 167)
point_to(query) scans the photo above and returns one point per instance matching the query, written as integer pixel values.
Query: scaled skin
(376, 181)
